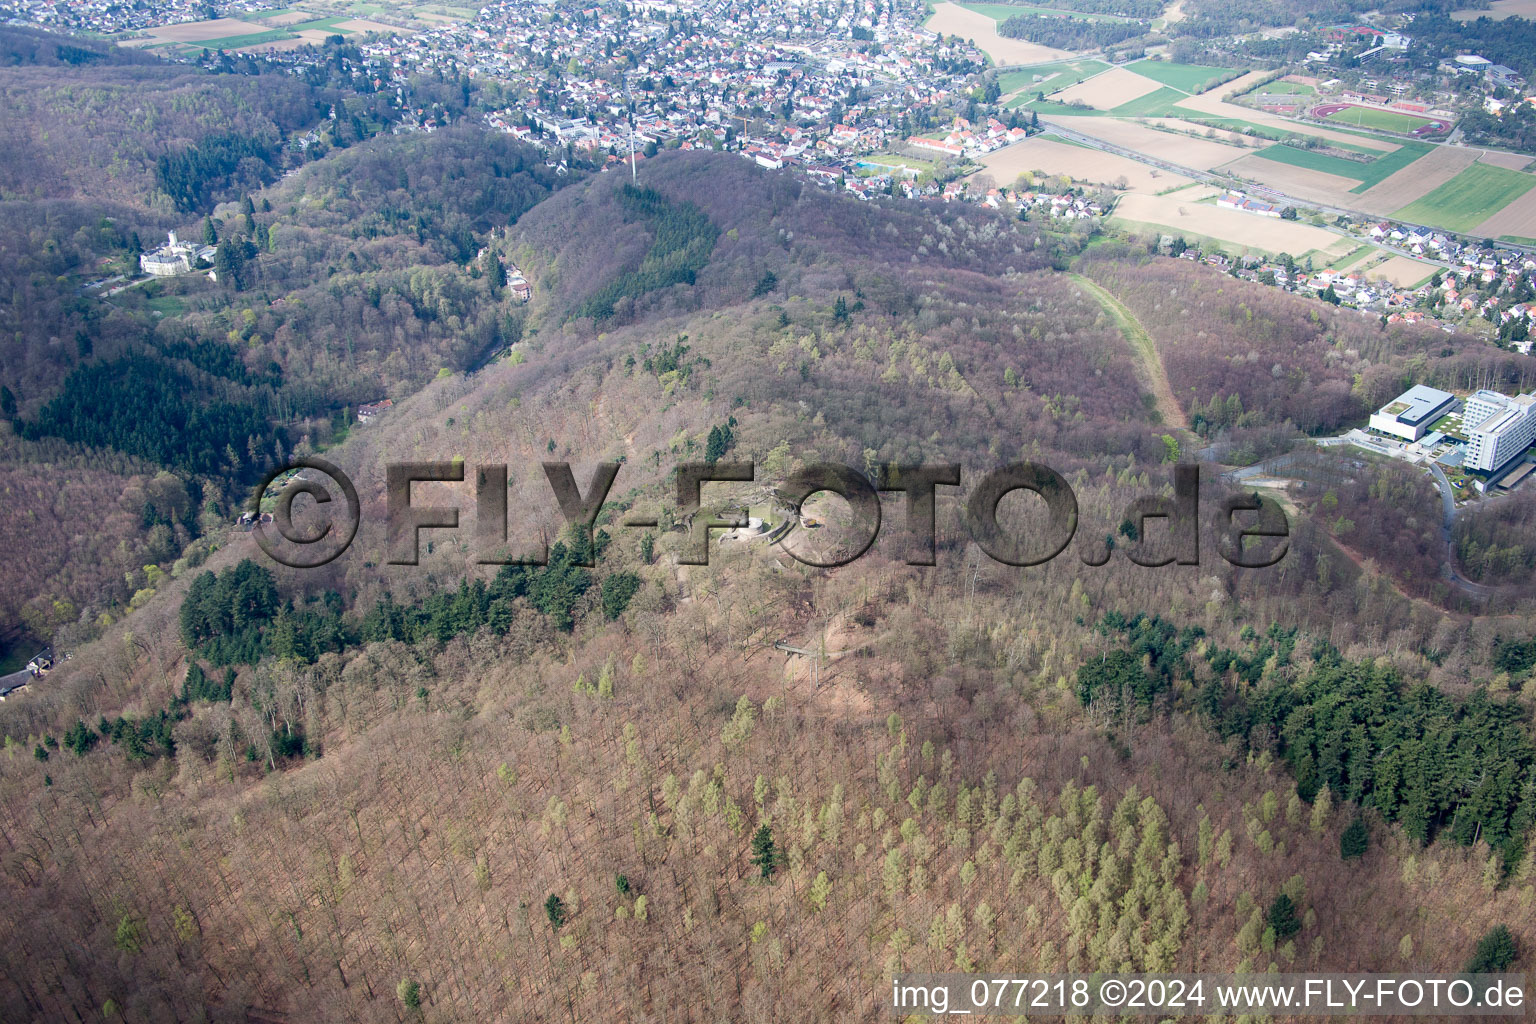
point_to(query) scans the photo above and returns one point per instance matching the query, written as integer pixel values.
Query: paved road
(1264, 474)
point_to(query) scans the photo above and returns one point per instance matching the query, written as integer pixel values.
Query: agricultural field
(1161, 102)
(1201, 154)
(204, 31)
(1469, 199)
(1111, 89)
(1044, 156)
(1193, 213)
(1303, 183)
(1367, 173)
(1188, 78)
(1499, 10)
(953, 20)
(1047, 78)
(280, 29)
(1411, 183)
(1515, 223)
(1403, 271)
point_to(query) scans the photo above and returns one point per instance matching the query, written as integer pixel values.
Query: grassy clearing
(1189, 78)
(1517, 239)
(1468, 199)
(1383, 120)
(1001, 12)
(1066, 73)
(1152, 373)
(167, 305)
(1368, 173)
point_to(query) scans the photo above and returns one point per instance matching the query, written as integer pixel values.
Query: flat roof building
(1413, 412)
(1499, 429)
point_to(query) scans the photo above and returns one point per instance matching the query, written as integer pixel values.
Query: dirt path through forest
(1150, 363)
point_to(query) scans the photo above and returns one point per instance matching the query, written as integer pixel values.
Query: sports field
(1190, 78)
(1283, 88)
(1469, 199)
(1386, 120)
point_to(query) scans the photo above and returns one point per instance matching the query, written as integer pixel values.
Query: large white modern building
(1498, 428)
(1411, 413)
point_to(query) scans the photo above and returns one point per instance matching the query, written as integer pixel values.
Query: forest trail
(1151, 364)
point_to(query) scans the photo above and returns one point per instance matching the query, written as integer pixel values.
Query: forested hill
(582, 241)
(353, 279)
(27, 46)
(84, 122)
(491, 790)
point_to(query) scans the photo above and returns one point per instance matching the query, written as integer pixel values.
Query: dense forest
(344, 283)
(684, 238)
(1508, 41)
(100, 131)
(1140, 9)
(1496, 540)
(1068, 33)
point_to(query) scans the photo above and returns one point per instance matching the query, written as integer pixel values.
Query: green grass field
(1366, 173)
(1158, 103)
(1190, 78)
(236, 42)
(167, 305)
(1287, 89)
(886, 162)
(1232, 124)
(1066, 73)
(1468, 199)
(1384, 120)
(1001, 12)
